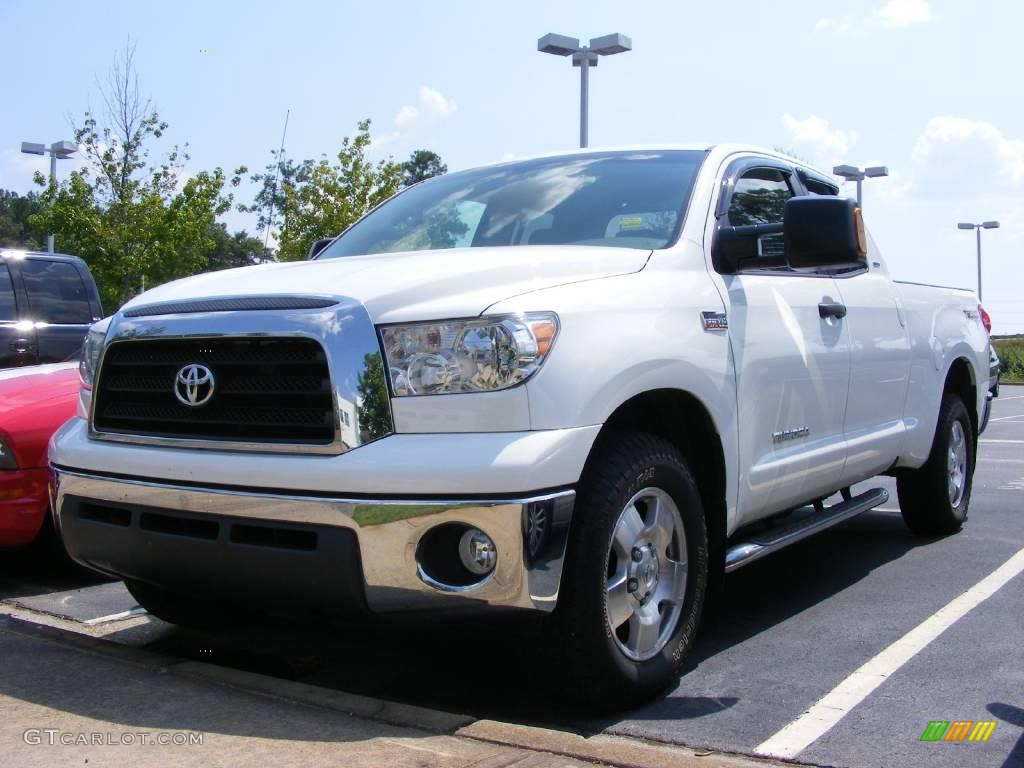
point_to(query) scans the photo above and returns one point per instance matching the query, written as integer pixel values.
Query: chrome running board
(756, 547)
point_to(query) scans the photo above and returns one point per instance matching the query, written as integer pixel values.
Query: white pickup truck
(584, 384)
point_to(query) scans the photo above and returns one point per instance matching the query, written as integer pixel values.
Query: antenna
(273, 190)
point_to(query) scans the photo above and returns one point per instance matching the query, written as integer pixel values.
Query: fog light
(477, 552)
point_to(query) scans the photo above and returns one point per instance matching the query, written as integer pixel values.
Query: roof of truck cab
(720, 151)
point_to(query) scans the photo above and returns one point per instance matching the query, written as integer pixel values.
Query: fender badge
(714, 321)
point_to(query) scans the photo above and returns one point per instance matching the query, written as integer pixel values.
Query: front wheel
(934, 498)
(636, 573)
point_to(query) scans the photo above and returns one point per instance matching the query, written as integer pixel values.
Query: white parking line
(1015, 442)
(1015, 397)
(116, 616)
(820, 718)
(1006, 418)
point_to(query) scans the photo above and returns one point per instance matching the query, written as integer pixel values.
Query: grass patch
(1011, 352)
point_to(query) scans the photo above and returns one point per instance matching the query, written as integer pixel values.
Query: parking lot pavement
(786, 632)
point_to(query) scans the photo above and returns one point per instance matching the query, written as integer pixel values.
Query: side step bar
(746, 552)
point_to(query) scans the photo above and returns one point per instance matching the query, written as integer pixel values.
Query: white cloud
(898, 14)
(956, 156)
(841, 25)
(895, 14)
(384, 139)
(431, 104)
(827, 145)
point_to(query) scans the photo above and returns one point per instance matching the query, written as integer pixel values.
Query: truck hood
(420, 285)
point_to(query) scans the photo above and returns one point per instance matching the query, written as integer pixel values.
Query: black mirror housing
(737, 247)
(824, 232)
(318, 246)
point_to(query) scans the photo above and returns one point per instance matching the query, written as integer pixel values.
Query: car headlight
(478, 355)
(6, 457)
(89, 360)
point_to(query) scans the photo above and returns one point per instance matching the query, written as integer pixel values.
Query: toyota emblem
(193, 386)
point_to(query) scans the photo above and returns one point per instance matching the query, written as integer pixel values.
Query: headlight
(6, 457)
(88, 361)
(479, 355)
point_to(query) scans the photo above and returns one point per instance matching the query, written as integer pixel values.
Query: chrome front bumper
(119, 541)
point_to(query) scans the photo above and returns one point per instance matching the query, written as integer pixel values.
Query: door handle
(831, 309)
(21, 346)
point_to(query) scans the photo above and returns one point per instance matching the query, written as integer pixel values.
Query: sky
(928, 88)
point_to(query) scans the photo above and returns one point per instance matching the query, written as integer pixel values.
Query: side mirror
(824, 232)
(318, 246)
(747, 245)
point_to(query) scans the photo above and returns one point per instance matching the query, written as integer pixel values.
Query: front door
(792, 364)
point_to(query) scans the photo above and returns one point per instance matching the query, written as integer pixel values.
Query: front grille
(266, 390)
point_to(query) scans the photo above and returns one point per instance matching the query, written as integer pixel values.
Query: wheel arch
(961, 380)
(682, 419)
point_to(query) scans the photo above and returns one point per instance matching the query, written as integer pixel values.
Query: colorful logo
(958, 730)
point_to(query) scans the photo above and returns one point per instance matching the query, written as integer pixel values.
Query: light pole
(584, 57)
(977, 229)
(61, 150)
(853, 173)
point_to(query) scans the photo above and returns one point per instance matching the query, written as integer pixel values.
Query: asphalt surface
(784, 633)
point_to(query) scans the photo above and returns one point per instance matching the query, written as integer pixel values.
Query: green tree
(421, 165)
(310, 200)
(15, 229)
(131, 219)
(229, 251)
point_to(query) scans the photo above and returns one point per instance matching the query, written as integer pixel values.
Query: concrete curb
(366, 707)
(617, 751)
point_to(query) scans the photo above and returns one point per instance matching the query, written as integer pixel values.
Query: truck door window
(759, 197)
(56, 293)
(8, 310)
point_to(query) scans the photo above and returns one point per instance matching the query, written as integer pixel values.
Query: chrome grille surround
(344, 331)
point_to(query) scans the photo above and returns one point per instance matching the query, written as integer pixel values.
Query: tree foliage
(422, 165)
(232, 250)
(15, 229)
(313, 199)
(130, 218)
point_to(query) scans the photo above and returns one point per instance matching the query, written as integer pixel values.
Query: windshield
(617, 199)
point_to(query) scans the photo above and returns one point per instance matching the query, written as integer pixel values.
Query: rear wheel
(934, 499)
(180, 609)
(636, 575)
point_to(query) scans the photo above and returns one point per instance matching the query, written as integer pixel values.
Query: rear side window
(56, 293)
(8, 311)
(759, 197)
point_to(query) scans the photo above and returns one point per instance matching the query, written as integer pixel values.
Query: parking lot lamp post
(59, 150)
(584, 57)
(977, 230)
(853, 173)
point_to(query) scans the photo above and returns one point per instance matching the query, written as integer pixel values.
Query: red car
(34, 401)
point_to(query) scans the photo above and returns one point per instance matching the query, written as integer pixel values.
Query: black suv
(47, 303)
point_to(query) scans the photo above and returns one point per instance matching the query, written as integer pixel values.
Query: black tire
(924, 493)
(180, 609)
(595, 669)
